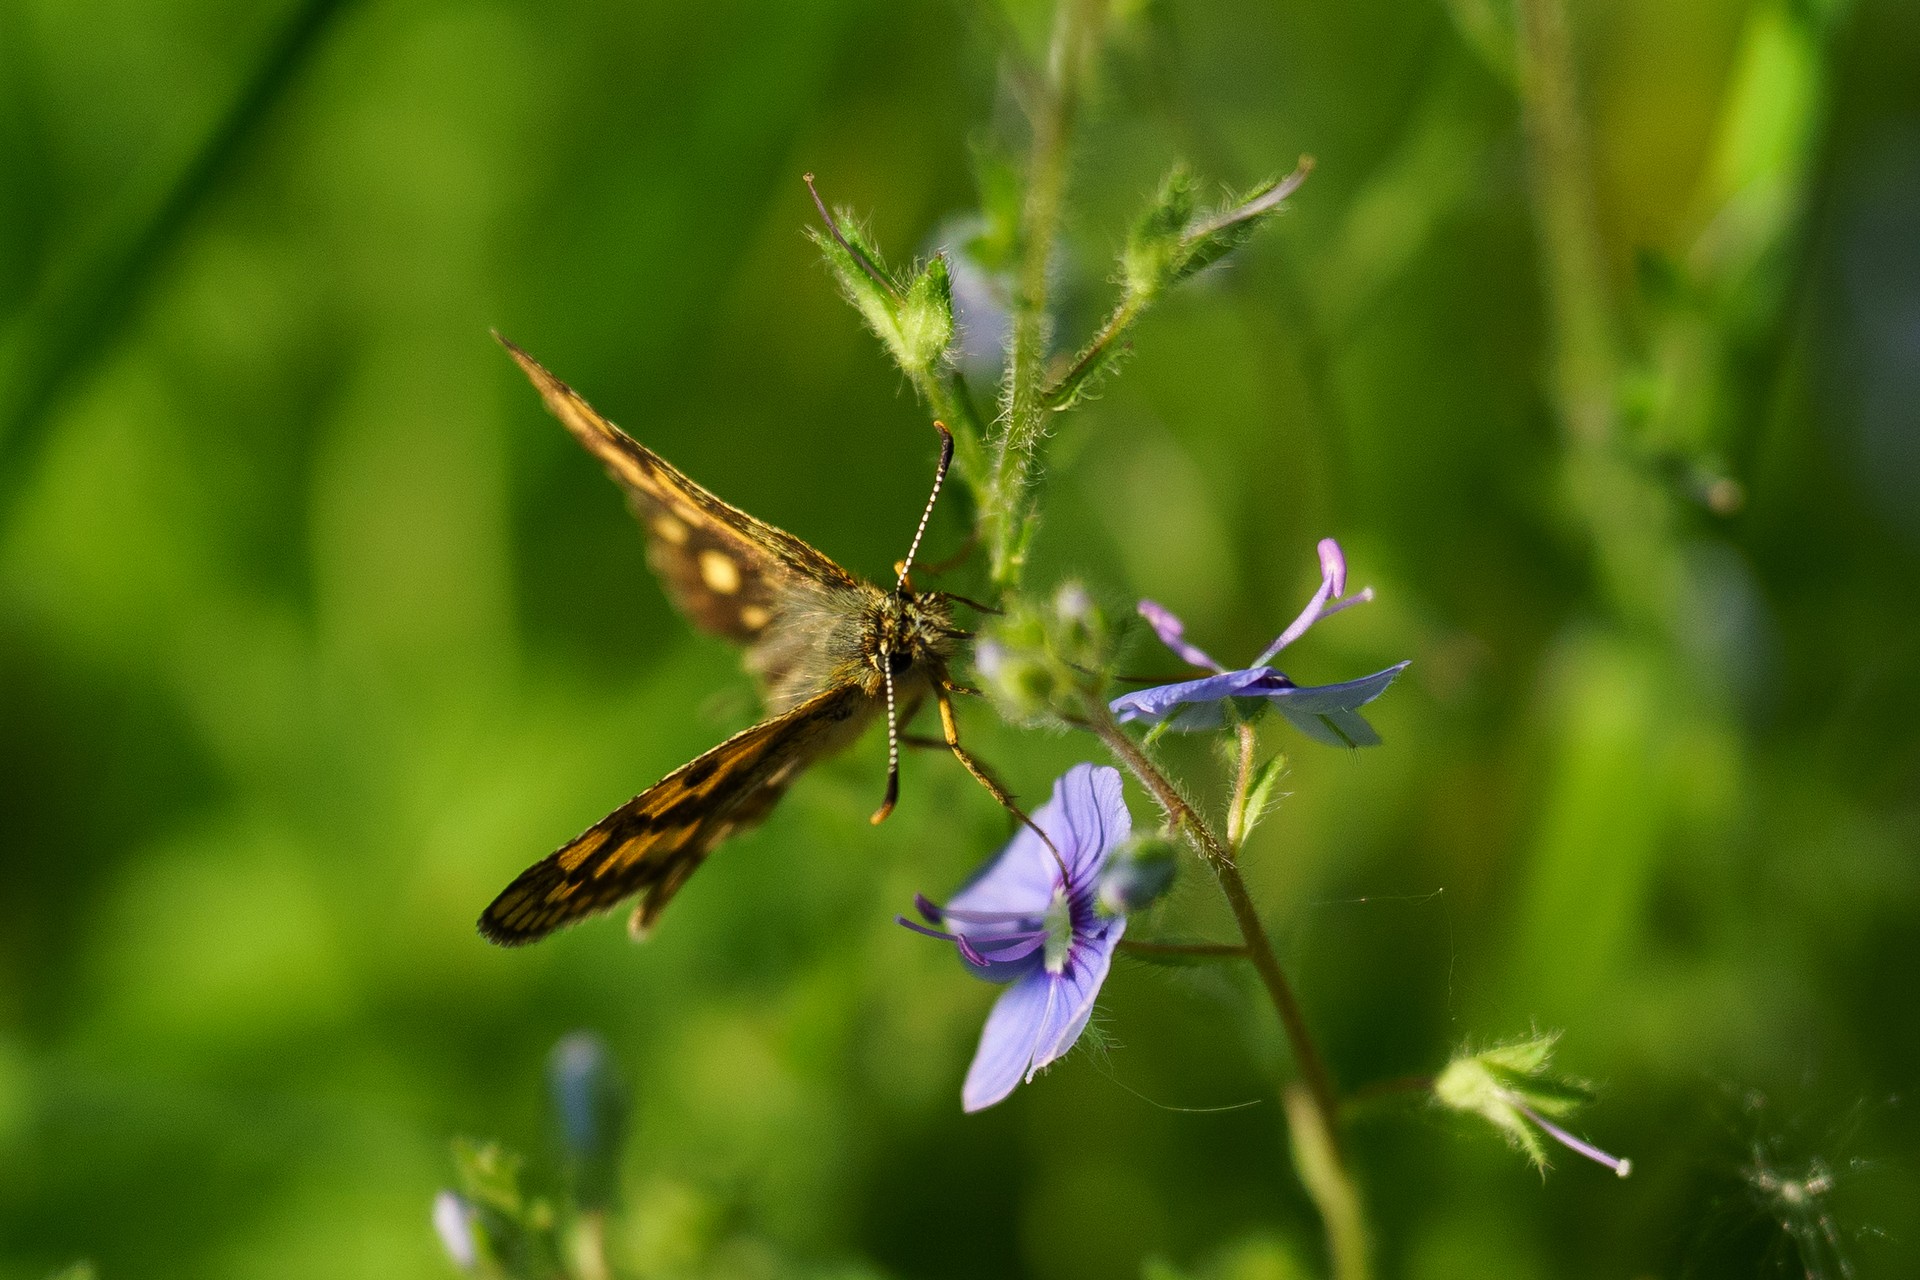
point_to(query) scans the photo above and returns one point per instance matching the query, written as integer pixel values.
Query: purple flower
(1327, 713)
(1029, 919)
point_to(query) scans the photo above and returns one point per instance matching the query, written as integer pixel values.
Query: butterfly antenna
(893, 743)
(939, 478)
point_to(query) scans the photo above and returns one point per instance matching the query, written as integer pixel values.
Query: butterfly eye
(898, 661)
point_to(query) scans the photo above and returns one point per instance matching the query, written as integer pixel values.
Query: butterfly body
(832, 652)
(835, 636)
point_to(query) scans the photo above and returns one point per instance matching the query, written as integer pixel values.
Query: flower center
(1058, 924)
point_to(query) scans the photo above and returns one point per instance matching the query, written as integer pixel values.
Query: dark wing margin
(724, 569)
(651, 844)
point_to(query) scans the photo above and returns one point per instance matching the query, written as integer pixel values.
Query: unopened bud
(1080, 627)
(925, 323)
(1153, 249)
(1510, 1087)
(1021, 684)
(590, 1108)
(1137, 875)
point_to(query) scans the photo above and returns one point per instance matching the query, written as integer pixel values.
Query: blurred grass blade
(68, 331)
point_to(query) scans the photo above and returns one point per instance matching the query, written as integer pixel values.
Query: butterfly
(831, 651)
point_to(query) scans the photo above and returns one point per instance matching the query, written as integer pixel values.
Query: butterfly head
(910, 636)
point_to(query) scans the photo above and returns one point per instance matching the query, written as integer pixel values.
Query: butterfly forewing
(651, 844)
(728, 572)
(818, 639)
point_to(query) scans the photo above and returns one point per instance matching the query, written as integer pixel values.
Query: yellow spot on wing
(754, 616)
(719, 572)
(667, 529)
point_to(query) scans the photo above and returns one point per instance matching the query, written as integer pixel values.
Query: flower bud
(925, 322)
(590, 1108)
(1080, 628)
(914, 322)
(1020, 682)
(1137, 875)
(1153, 250)
(1510, 1088)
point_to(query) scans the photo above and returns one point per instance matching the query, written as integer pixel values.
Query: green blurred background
(314, 630)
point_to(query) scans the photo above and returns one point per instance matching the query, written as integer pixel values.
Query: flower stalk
(1006, 510)
(1226, 869)
(1318, 1105)
(1316, 1158)
(1626, 516)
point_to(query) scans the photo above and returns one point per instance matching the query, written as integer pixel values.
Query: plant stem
(1626, 516)
(1005, 511)
(1242, 779)
(1313, 1107)
(946, 392)
(1313, 1070)
(1316, 1157)
(1226, 869)
(1062, 390)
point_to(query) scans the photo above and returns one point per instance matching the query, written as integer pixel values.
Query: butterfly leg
(923, 742)
(951, 729)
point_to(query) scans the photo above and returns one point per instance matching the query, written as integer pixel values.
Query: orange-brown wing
(727, 571)
(651, 844)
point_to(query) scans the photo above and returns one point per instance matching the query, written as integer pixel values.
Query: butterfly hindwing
(728, 572)
(651, 844)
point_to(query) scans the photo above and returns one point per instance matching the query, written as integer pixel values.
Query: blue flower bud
(590, 1108)
(1137, 875)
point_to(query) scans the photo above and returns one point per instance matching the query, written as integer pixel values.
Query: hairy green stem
(1061, 389)
(1625, 514)
(1226, 869)
(946, 393)
(1316, 1157)
(1242, 780)
(1006, 509)
(1313, 1108)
